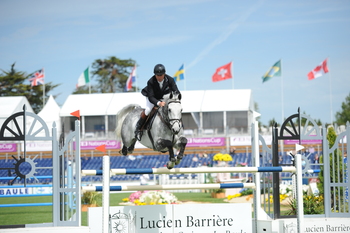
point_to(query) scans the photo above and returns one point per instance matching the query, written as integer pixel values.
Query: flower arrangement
(151, 198)
(222, 157)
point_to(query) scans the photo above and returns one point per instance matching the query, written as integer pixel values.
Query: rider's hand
(161, 104)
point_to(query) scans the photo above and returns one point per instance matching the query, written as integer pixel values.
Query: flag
(222, 73)
(37, 78)
(318, 71)
(180, 74)
(131, 79)
(84, 78)
(275, 70)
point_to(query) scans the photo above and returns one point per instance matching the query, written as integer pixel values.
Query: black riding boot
(140, 122)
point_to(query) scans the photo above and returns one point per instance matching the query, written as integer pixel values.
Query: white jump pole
(168, 187)
(105, 195)
(257, 197)
(299, 191)
(129, 171)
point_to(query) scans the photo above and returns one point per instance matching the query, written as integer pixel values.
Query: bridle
(169, 122)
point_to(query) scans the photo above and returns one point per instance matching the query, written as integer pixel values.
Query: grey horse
(165, 133)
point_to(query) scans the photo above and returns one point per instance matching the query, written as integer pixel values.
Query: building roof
(192, 101)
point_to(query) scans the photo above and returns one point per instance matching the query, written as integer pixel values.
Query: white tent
(50, 114)
(10, 105)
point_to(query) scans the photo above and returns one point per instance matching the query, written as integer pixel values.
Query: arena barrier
(106, 182)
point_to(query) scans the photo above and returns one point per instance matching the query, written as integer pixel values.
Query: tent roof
(192, 101)
(12, 104)
(50, 112)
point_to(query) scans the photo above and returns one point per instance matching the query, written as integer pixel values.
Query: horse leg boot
(141, 121)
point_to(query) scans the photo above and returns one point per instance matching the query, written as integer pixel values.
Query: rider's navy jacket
(153, 91)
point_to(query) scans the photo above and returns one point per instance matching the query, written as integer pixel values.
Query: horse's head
(173, 111)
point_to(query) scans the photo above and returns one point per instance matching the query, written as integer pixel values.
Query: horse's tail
(121, 116)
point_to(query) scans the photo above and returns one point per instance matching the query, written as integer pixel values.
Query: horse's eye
(169, 110)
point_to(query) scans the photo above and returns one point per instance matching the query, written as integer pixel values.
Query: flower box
(218, 195)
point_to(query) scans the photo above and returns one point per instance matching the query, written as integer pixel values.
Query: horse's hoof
(170, 165)
(124, 153)
(178, 161)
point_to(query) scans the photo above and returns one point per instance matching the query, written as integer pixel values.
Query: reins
(167, 121)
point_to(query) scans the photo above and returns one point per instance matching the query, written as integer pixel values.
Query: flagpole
(330, 91)
(232, 75)
(89, 80)
(282, 93)
(44, 89)
(44, 95)
(184, 78)
(136, 79)
(282, 148)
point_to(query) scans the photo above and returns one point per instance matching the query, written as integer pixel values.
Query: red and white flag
(37, 78)
(131, 80)
(318, 71)
(222, 73)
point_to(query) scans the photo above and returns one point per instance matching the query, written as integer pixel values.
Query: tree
(343, 116)
(12, 84)
(85, 90)
(111, 74)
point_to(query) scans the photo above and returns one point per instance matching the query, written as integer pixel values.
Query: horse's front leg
(181, 143)
(162, 143)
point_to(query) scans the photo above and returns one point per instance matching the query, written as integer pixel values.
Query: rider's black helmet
(159, 69)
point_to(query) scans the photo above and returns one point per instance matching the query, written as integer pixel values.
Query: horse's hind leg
(182, 145)
(161, 143)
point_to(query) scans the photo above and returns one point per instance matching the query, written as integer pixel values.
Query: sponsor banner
(8, 147)
(303, 142)
(15, 191)
(321, 225)
(42, 190)
(37, 146)
(185, 218)
(199, 142)
(25, 190)
(91, 145)
(247, 140)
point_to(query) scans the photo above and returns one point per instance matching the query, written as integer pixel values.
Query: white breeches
(149, 107)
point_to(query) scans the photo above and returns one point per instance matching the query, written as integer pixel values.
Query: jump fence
(106, 182)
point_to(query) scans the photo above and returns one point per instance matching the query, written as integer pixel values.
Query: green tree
(12, 84)
(86, 90)
(343, 116)
(111, 74)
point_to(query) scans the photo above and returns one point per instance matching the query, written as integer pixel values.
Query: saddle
(147, 125)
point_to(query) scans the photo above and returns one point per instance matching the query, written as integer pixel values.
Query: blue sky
(65, 37)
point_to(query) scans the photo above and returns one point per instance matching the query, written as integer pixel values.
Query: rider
(157, 86)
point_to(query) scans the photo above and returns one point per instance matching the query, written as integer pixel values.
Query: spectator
(233, 152)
